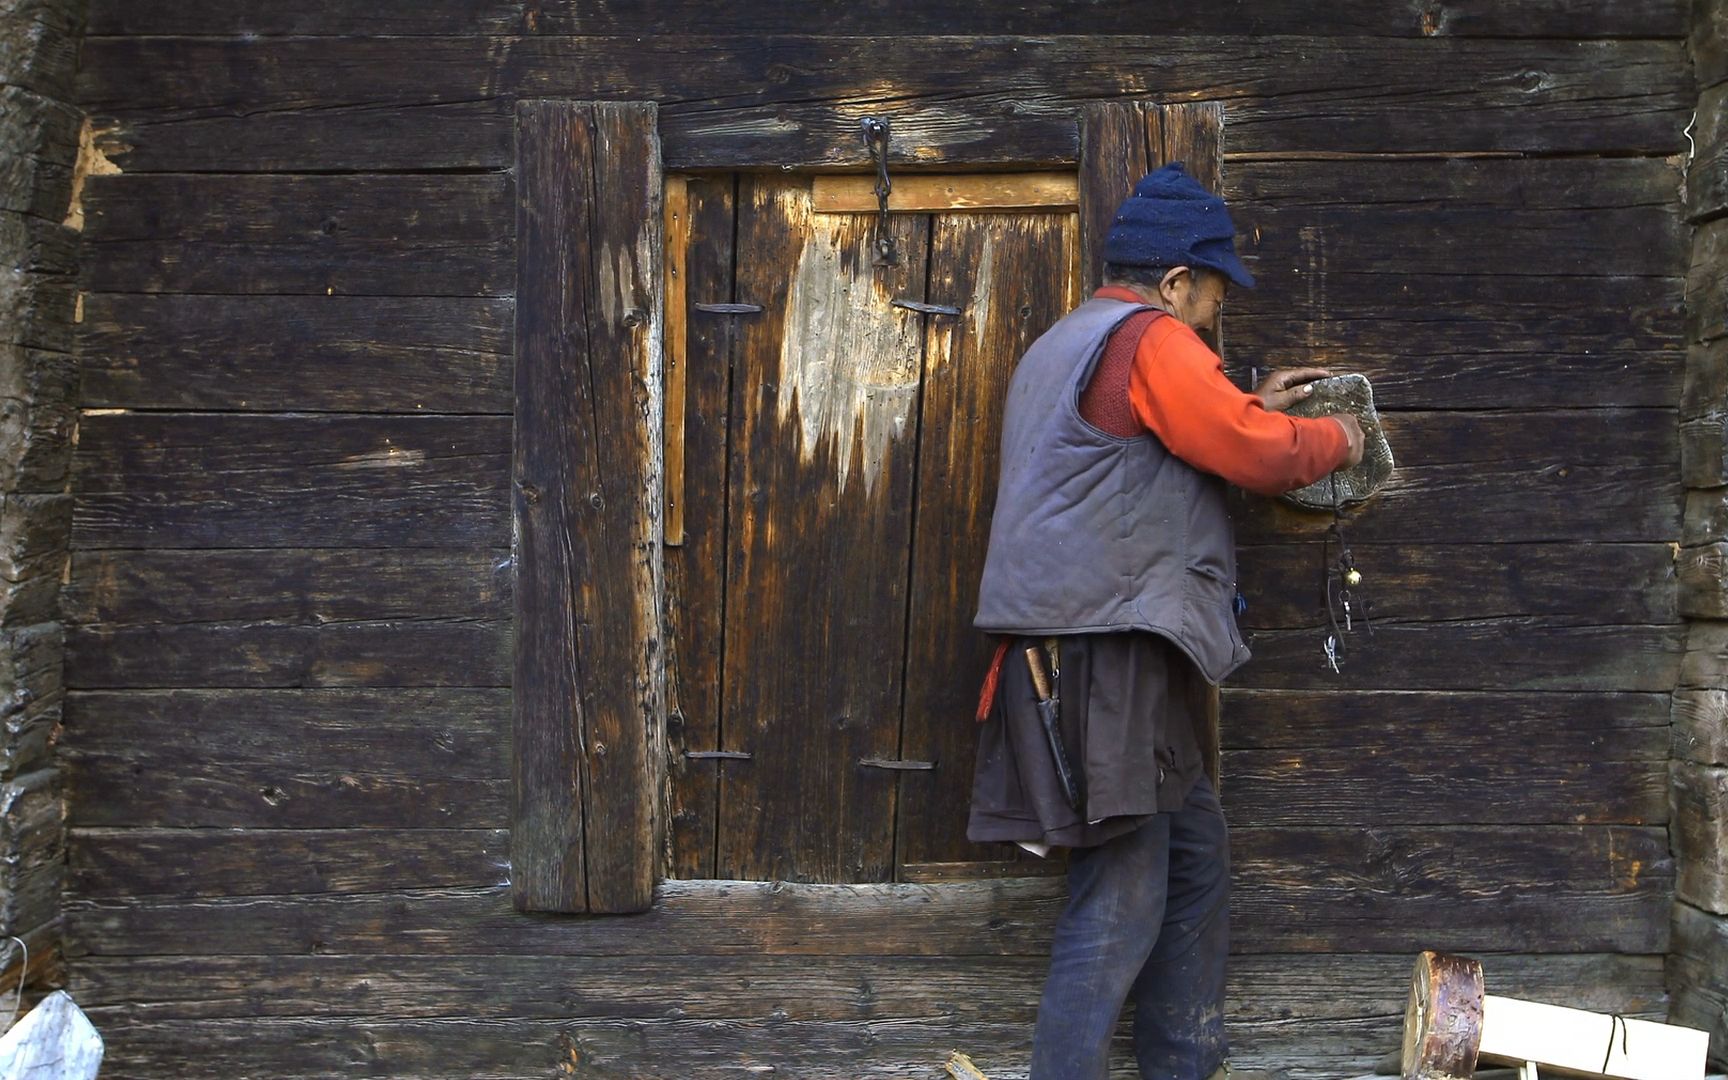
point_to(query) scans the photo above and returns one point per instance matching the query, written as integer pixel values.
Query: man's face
(1196, 297)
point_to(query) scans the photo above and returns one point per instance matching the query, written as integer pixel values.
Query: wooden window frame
(590, 517)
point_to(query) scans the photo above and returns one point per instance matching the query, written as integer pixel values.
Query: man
(1111, 540)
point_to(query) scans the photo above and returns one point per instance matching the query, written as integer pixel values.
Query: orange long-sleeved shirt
(1178, 391)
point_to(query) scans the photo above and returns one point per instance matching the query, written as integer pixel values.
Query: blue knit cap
(1171, 220)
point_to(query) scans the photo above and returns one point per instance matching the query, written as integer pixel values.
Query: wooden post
(588, 758)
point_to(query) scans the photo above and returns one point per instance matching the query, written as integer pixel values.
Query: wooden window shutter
(1121, 141)
(588, 759)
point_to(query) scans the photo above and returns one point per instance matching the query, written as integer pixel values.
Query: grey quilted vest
(1096, 533)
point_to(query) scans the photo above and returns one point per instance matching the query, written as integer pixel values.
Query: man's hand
(1282, 389)
(1353, 429)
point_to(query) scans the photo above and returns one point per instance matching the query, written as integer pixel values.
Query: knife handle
(1040, 681)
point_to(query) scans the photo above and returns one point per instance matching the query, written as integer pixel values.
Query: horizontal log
(230, 480)
(1523, 18)
(444, 102)
(1263, 988)
(1615, 726)
(1593, 584)
(421, 652)
(1701, 834)
(305, 353)
(32, 850)
(386, 235)
(42, 134)
(1539, 888)
(393, 234)
(242, 862)
(313, 587)
(1700, 726)
(1391, 784)
(1510, 654)
(409, 758)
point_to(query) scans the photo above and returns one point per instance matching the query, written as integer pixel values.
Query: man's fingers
(1286, 378)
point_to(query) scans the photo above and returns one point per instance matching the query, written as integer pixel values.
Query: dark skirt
(1126, 723)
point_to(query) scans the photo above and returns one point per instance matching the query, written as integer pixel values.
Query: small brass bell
(1353, 577)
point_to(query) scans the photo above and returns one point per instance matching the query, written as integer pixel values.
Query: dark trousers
(1147, 915)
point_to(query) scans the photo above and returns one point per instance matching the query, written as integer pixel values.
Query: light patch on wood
(848, 360)
(390, 457)
(91, 162)
(978, 308)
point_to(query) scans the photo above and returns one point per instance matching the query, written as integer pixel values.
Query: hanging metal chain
(1343, 607)
(875, 132)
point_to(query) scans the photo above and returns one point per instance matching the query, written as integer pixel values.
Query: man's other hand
(1353, 430)
(1281, 389)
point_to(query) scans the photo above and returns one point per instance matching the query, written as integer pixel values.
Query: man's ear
(1172, 278)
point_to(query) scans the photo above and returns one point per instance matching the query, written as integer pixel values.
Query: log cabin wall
(288, 665)
(1698, 956)
(41, 170)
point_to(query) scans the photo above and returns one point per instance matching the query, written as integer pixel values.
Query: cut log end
(1443, 1021)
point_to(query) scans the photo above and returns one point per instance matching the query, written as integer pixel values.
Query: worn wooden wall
(289, 706)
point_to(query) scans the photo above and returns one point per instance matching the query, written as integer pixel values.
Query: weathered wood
(1118, 140)
(589, 722)
(390, 235)
(825, 428)
(1700, 719)
(32, 849)
(1443, 1023)
(1698, 974)
(246, 862)
(1704, 451)
(1008, 273)
(312, 587)
(916, 192)
(1703, 588)
(305, 353)
(1589, 584)
(676, 233)
(422, 652)
(1482, 784)
(234, 480)
(1264, 989)
(1706, 187)
(695, 573)
(1701, 834)
(1705, 390)
(1557, 888)
(441, 101)
(1525, 18)
(1706, 287)
(1709, 41)
(1499, 654)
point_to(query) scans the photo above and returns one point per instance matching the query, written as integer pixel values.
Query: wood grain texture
(918, 192)
(676, 235)
(223, 480)
(1009, 274)
(825, 428)
(300, 353)
(310, 106)
(696, 572)
(589, 681)
(1525, 18)
(1353, 889)
(1700, 794)
(1118, 141)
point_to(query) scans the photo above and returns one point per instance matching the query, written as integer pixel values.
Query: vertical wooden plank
(825, 422)
(695, 573)
(589, 680)
(1118, 140)
(677, 234)
(552, 467)
(1192, 132)
(1011, 274)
